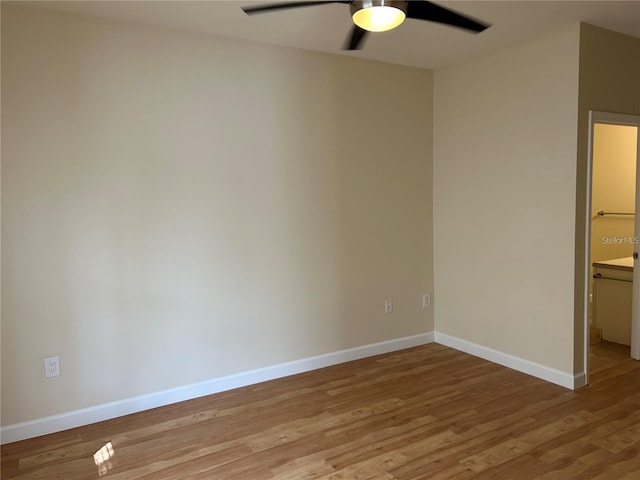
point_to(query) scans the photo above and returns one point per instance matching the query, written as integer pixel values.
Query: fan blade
(424, 10)
(355, 40)
(283, 6)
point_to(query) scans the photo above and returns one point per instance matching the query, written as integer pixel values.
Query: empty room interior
(273, 244)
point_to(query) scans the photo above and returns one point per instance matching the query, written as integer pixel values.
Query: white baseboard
(525, 366)
(106, 411)
(579, 380)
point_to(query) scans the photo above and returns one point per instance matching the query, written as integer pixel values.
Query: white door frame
(613, 119)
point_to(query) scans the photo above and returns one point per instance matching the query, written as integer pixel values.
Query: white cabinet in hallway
(612, 297)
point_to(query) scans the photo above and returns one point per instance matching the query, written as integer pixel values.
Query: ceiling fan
(382, 15)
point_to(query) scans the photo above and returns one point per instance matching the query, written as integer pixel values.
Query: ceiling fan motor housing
(360, 4)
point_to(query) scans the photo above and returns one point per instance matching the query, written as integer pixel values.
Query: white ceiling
(325, 27)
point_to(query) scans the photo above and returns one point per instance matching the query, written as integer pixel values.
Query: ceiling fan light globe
(378, 16)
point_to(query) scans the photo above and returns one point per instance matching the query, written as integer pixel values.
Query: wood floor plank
(423, 413)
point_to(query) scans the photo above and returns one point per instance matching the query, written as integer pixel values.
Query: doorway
(612, 323)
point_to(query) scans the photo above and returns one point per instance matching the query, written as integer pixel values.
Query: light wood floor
(424, 413)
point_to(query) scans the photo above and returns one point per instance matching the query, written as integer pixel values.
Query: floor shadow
(606, 355)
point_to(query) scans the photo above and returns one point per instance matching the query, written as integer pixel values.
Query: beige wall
(504, 199)
(176, 207)
(609, 79)
(613, 190)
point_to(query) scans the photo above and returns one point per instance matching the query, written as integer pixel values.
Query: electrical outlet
(388, 306)
(426, 300)
(52, 367)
